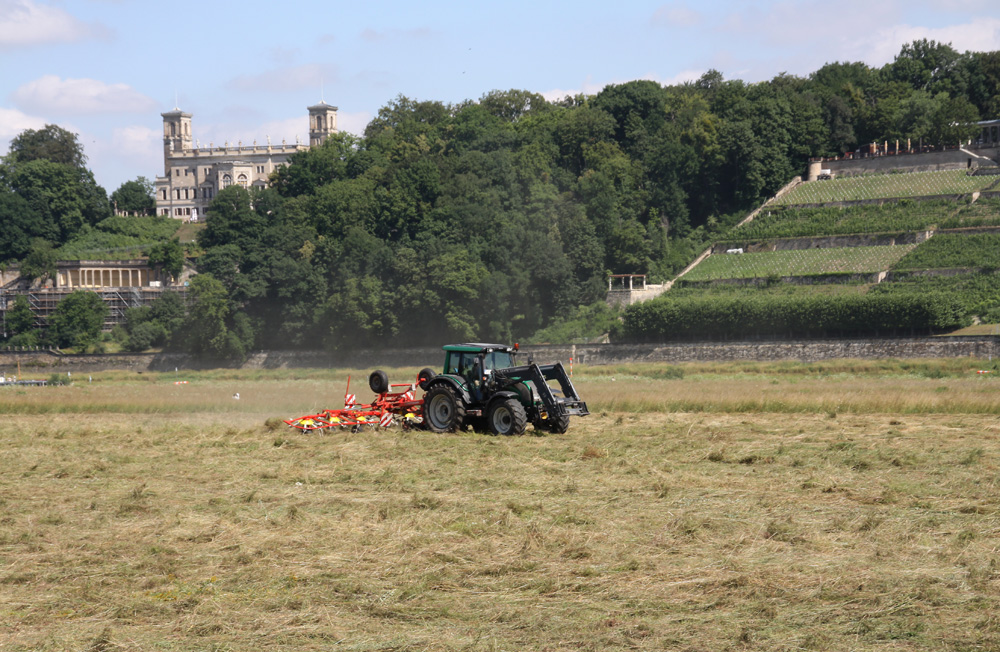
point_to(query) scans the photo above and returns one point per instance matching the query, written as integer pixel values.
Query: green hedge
(978, 292)
(742, 317)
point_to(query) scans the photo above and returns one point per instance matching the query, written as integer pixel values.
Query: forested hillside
(495, 218)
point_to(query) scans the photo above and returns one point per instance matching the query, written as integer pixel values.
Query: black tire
(507, 417)
(557, 425)
(425, 377)
(379, 382)
(443, 410)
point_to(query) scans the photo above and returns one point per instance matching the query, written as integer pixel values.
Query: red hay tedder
(383, 412)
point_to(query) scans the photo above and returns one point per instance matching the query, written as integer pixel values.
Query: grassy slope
(119, 238)
(837, 525)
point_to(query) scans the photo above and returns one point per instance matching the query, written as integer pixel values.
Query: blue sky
(106, 69)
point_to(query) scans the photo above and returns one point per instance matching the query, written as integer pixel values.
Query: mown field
(750, 506)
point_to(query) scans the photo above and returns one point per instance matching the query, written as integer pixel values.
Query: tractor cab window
(498, 360)
(460, 364)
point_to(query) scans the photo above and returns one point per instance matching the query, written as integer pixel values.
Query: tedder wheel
(443, 411)
(557, 425)
(379, 382)
(424, 378)
(507, 417)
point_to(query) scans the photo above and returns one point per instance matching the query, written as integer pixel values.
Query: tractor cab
(472, 364)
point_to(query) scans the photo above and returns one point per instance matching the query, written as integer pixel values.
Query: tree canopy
(499, 218)
(496, 218)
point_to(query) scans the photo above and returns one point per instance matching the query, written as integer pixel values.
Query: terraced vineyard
(984, 212)
(949, 251)
(807, 262)
(886, 186)
(899, 217)
(843, 298)
(979, 292)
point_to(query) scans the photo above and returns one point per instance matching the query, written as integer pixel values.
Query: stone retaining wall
(826, 241)
(985, 346)
(952, 159)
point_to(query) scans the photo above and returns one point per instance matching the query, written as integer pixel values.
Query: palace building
(192, 176)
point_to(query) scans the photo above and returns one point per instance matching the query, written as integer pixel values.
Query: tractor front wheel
(557, 425)
(443, 411)
(507, 417)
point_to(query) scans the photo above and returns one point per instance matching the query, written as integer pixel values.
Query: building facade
(192, 176)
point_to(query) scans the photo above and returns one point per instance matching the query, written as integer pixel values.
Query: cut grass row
(206, 530)
(691, 387)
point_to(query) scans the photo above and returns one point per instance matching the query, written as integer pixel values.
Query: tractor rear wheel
(507, 417)
(443, 410)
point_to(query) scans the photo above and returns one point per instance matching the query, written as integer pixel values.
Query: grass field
(801, 262)
(750, 506)
(885, 186)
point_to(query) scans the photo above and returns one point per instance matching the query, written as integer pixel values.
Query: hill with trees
(499, 219)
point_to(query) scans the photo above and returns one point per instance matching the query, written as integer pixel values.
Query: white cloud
(130, 152)
(233, 132)
(353, 123)
(420, 33)
(676, 14)
(680, 78)
(587, 87)
(26, 22)
(590, 87)
(285, 80)
(74, 96)
(137, 142)
(13, 122)
(982, 35)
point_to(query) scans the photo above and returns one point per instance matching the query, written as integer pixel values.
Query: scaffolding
(43, 302)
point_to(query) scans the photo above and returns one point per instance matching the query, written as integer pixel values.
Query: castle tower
(176, 134)
(322, 123)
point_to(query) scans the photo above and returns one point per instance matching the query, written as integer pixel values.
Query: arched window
(226, 181)
(173, 129)
(242, 180)
(319, 123)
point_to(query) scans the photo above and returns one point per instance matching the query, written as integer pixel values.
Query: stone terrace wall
(802, 350)
(953, 159)
(592, 354)
(826, 241)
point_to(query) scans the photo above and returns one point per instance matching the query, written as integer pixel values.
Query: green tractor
(481, 387)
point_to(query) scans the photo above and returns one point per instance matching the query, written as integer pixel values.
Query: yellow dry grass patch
(174, 519)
